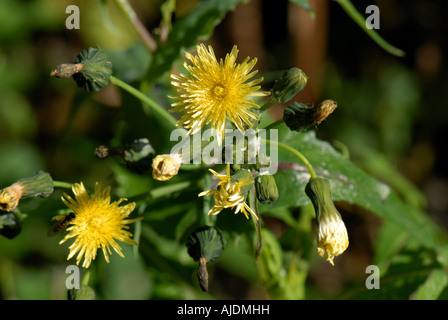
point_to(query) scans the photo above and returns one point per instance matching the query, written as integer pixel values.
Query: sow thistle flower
(98, 223)
(332, 239)
(230, 192)
(216, 91)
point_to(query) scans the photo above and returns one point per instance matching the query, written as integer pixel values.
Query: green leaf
(348, 183)
(131, 63)
(408, 273)
(270, 261)
(433, 286)
(198, 24)
(390, 240)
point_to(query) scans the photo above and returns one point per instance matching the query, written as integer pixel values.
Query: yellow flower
(230, 194)
(166, 166)
(97, 223)
(215, 91)
(332, 238)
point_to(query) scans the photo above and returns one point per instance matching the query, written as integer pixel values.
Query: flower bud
(38, 185)
(91, 70)
(266, 188)
(292, 82)
(166, 166)
(300, 117)
(137, 156)
(96, 69)
(332, 239)
(204, 245)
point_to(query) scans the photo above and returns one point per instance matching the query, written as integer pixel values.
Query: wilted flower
(332, 238)
(39, 184)
(97, 223)
(166, 166)
(215, 91)
(231, 192)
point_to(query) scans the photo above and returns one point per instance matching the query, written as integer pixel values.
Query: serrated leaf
(198, 24)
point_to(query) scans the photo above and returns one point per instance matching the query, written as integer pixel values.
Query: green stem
(62, 184)
(296, 153)
(267, 105)
(162, 191)
(204, 218)
(361, 21)
(86, 278)
(275, 124)
(165, 190)
(253, 203)
(146, 38)
(153, 105)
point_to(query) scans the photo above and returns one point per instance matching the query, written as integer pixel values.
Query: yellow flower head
(229, 194)
(166, 166)
(215, 91)
(332, 238)
(97, 223)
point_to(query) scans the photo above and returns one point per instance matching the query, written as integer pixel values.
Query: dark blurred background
(391, 114)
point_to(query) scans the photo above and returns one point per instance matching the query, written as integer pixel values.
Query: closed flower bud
(91, 70)
(137, 156)
(38, 185)
(166, 166)
(96, 69)
(332, 238)
(299, 116)
(292, 82)
(204, 245)
(266, 188)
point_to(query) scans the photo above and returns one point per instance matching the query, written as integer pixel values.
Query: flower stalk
(147, 101)
(294, 152)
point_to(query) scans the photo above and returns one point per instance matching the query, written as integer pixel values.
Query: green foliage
(186, 31)
(276, 253)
